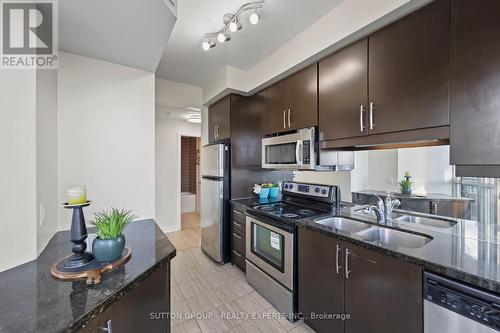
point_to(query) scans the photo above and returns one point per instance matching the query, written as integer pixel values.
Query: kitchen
(347, 168)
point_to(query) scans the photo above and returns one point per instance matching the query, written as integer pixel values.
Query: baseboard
(170, 228)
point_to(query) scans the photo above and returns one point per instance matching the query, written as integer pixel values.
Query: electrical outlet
(41, 212)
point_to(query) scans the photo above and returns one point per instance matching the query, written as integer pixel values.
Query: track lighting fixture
(232, 23)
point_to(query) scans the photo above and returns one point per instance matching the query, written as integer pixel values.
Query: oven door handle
(298, 153)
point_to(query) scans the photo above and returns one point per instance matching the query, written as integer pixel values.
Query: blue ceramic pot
(107, 250)
(274, 191)
(264, 192)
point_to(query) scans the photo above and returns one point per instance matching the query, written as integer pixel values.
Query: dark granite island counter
(33, 301)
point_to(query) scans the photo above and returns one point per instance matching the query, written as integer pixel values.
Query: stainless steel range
(272, 236)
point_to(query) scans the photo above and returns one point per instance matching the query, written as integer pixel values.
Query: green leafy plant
(406, 182)
(111, 223)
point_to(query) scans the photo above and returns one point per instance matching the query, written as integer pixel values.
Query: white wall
(17, 167)
(430, 169)
(168, 174)
(348, 21)
(46, 156)
(106, 135)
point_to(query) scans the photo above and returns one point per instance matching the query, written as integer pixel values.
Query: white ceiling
(127, 32)
(185, 61)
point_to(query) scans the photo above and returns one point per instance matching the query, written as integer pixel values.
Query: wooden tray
(92, 272)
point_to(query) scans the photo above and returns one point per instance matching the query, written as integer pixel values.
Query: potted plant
(406, 184)
(110, 241)
(274, 190)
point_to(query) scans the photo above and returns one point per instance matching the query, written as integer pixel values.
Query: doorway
(190, 182)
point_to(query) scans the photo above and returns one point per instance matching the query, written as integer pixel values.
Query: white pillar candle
(77, 195)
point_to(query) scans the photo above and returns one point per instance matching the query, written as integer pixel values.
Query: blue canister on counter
(264, 192)
(274, 192)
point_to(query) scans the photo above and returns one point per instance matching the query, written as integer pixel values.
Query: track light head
(254, 18)
(207, 45)
(223, 37)
(235, 26)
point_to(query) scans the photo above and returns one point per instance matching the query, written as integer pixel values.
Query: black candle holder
(80, 258)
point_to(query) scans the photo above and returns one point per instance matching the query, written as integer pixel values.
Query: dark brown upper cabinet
(293, 102)
(338, 277)
(219, 120)
(248, 127)
(408, 68)
(475, 88)
(343, 93)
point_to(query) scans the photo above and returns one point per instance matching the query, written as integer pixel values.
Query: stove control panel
(312, 190)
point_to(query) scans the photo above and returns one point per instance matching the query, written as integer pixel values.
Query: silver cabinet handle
(435, 208)
(217, 131)
(337, 265)
(284, 118)
(372, 122)
(289, 119)
(235, 252)
(108, 328)
(347, 271)
(238, 212)
(237, 236)
(361, 122)
(239, 225)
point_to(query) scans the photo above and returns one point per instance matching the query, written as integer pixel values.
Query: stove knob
(323, 192)
(286, 186)
(317, 189)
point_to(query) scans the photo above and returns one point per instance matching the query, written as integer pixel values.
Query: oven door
(294, 151)
(270, 249)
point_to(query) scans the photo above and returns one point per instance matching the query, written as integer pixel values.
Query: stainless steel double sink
(376, 234)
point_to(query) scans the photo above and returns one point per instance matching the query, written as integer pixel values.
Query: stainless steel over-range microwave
(295, 151)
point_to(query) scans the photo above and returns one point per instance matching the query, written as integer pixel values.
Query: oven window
(281, 153)
(268, 245)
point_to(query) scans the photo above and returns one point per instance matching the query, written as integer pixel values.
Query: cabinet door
(409, 71)
(382, 294)
(302, 98)
(343, 93)
(224, 118)
(256, 127)
(321, 289)
(276, 108)
(212, 123)
(475, 83)
(239, 126)
(151, 297)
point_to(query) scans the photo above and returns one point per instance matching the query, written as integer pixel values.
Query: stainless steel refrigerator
(215, 188)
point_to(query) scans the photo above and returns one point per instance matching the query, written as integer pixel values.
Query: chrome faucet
(383, 210)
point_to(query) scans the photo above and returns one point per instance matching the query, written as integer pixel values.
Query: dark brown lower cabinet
(238, 242)
(144, 309)
(380, 294)
(321, 289)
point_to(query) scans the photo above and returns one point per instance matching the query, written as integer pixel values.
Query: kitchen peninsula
(133, 298)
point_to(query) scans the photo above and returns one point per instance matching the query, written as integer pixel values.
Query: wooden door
(409, 71)
(321, 288)
(475, 84)
(343, 93)
(382, 294)
(302, 98)
(277, 108)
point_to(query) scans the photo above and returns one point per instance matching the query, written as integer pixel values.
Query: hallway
(190, 234)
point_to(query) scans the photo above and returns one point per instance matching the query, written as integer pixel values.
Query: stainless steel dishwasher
(453, 307)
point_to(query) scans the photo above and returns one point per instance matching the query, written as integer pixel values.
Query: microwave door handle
(298, 152)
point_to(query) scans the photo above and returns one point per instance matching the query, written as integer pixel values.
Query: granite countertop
(469, 251)
(428, 196)
(33, 301)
